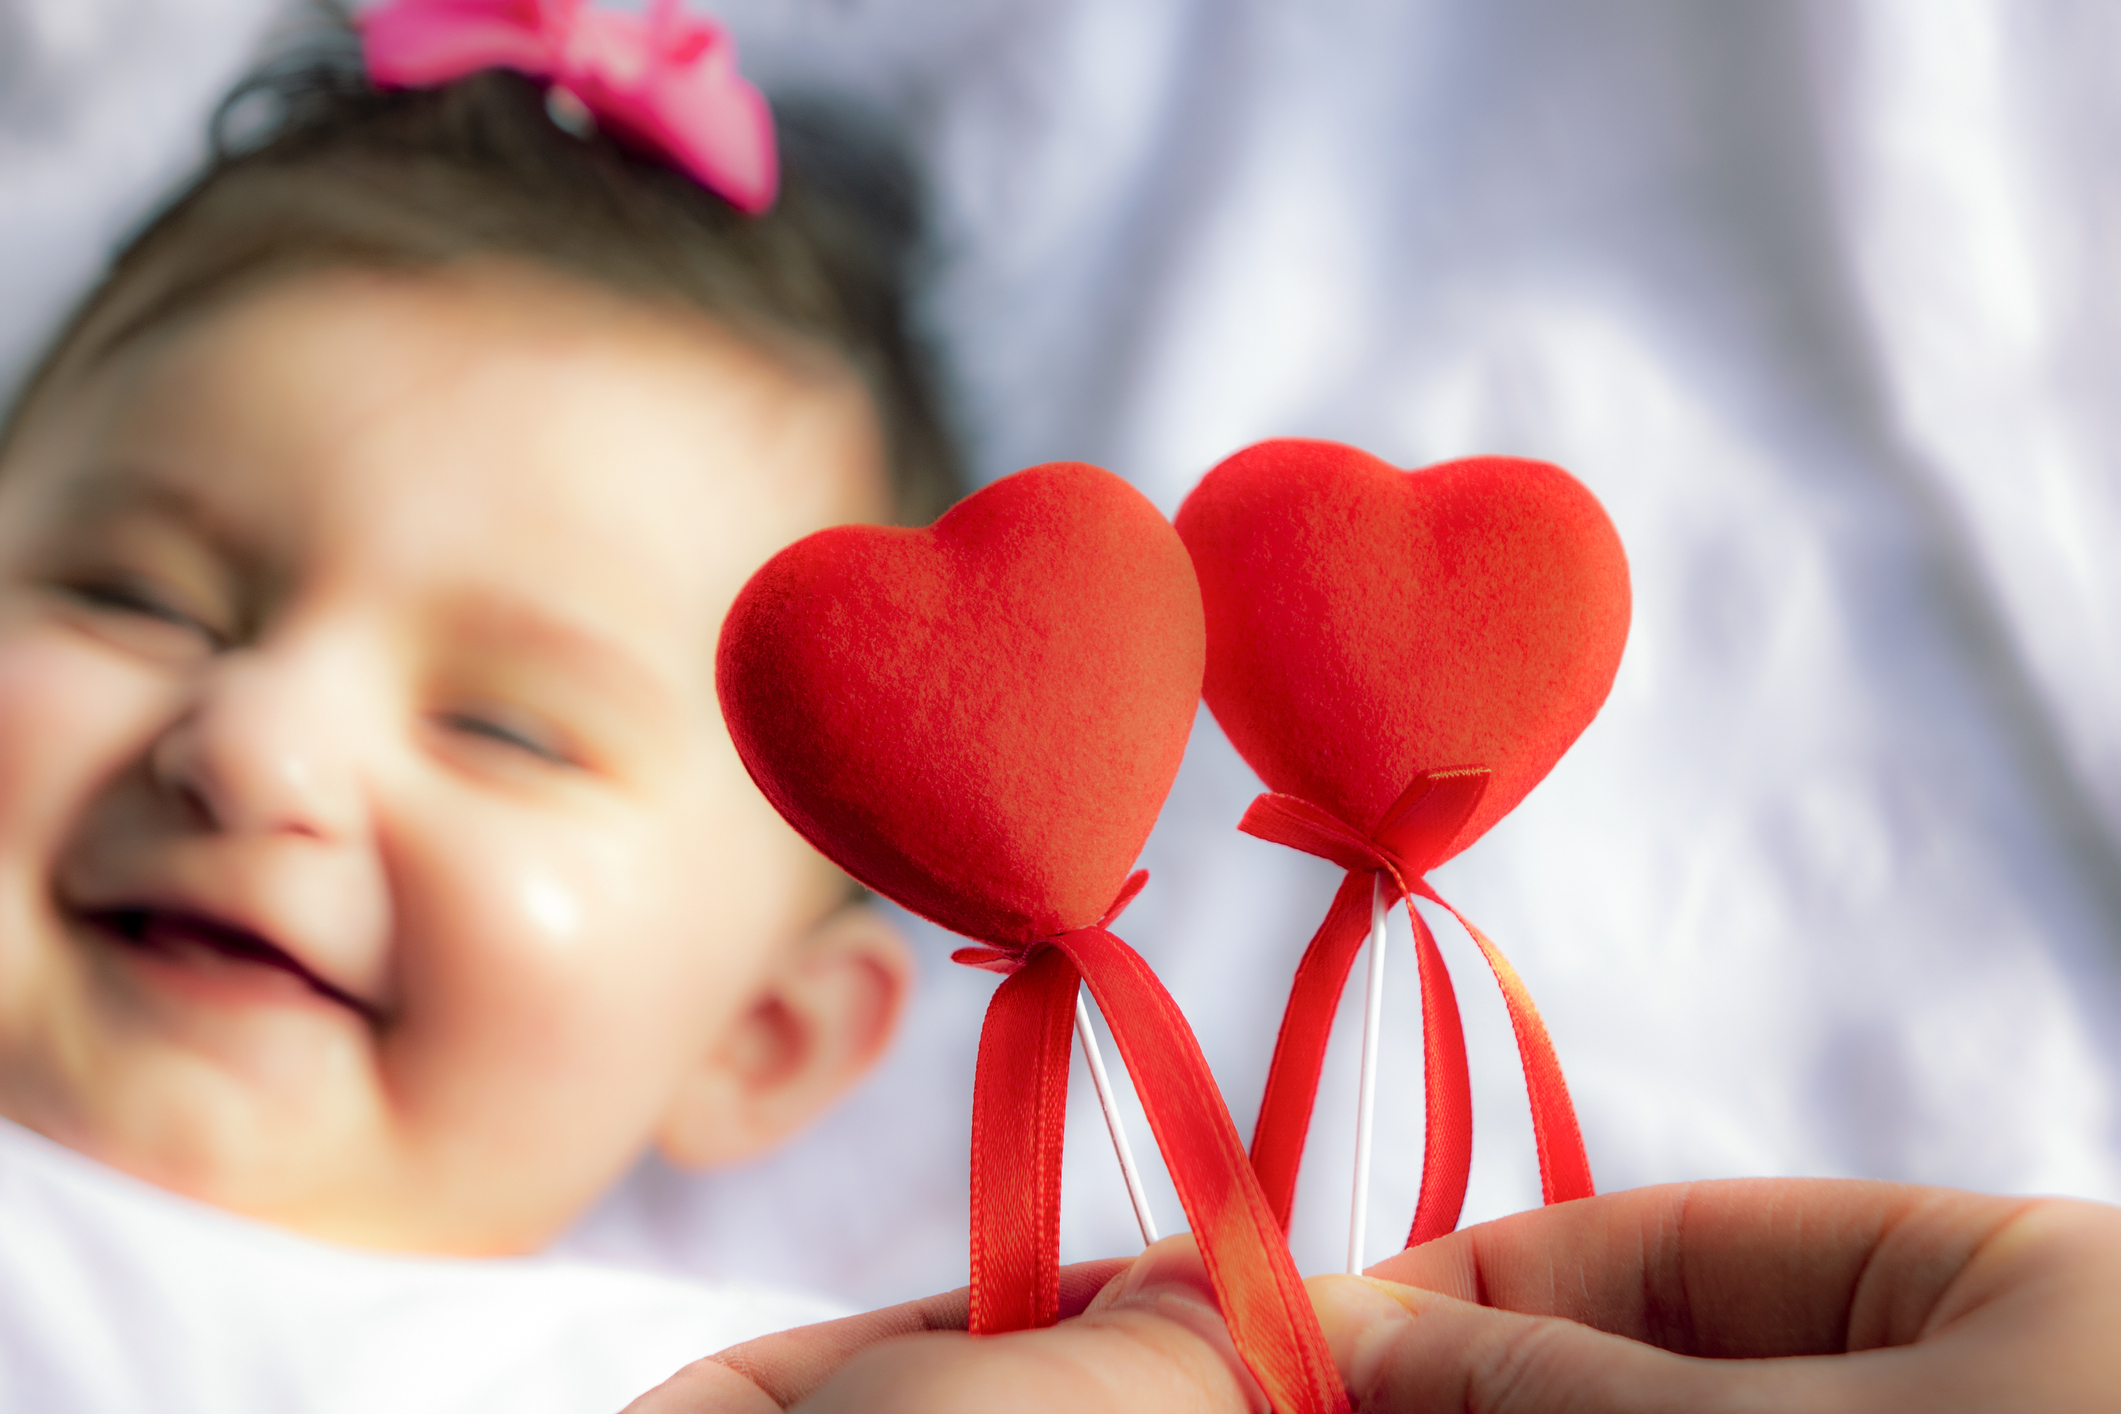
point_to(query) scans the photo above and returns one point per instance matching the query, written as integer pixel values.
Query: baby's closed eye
(511, 731)
(139, 614)
(124, 593)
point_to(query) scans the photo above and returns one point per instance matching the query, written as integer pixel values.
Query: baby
(373, 860)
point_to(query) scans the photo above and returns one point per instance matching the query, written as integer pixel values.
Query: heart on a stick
(1368, 624)
(979, 720)
(1401, 656)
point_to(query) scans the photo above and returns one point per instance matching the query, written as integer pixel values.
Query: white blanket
(1817, 298)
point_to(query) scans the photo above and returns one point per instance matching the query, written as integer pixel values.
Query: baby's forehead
(500, 353)
(492, 424)
(490, 306)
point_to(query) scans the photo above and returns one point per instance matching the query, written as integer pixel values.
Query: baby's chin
(311, 1177)
(395, 1214)
(258, 1096)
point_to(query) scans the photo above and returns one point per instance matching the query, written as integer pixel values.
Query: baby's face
(373, 859)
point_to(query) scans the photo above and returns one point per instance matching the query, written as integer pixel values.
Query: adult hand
(1138, 1335)
(1752, 1295)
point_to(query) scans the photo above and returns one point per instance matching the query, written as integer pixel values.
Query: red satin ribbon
(1019, 1114)
(1406, 843)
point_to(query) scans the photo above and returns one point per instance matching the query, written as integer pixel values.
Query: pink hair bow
(664, 80)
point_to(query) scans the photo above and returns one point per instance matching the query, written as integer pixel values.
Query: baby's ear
(816, 1026)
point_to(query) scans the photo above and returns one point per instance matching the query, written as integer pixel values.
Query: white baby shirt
(117, 1296)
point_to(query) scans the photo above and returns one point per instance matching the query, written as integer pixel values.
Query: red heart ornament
(1401, 656)
(1367, 624)
(981, 719)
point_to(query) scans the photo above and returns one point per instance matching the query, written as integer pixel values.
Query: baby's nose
(266, 746)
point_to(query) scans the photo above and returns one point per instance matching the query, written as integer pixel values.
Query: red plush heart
(1367, 624)
(981, 719)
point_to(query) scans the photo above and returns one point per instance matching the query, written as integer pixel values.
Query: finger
(1409, 1351)
(1170, 1281)
(779, 1370)
(705, 1387)
(788, 1365)
(1153, 1340)
(1747, 1268)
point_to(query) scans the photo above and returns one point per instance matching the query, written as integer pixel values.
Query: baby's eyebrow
(510, 624)
(125, 488)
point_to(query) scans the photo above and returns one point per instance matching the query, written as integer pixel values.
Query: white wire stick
(1095, 1059)
(1373, 1013)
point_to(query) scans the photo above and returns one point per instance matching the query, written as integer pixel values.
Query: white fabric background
(1818, 298)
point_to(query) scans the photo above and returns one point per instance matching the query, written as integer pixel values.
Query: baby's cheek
(527, 1064)
(549, 959)
(560, 975)
(535, 969)
(70, 718)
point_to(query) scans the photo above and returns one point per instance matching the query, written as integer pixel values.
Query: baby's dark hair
(314, 169)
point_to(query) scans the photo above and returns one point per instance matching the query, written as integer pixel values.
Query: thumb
(1409, 1351)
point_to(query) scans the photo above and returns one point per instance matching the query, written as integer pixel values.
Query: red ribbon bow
(664, 81)
(1019, 1114)
(1407, 841)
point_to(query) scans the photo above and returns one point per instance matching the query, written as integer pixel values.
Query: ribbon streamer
(1019, 1114)
(1406, 843)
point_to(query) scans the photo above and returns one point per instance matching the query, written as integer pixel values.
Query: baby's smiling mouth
(177, 935)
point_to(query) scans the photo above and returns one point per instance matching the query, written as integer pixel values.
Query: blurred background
(1822, 300)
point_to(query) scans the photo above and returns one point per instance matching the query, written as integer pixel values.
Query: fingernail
(1170, 1282)
(1363, 1318)
(1170, 1268)
(1356, 1304)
